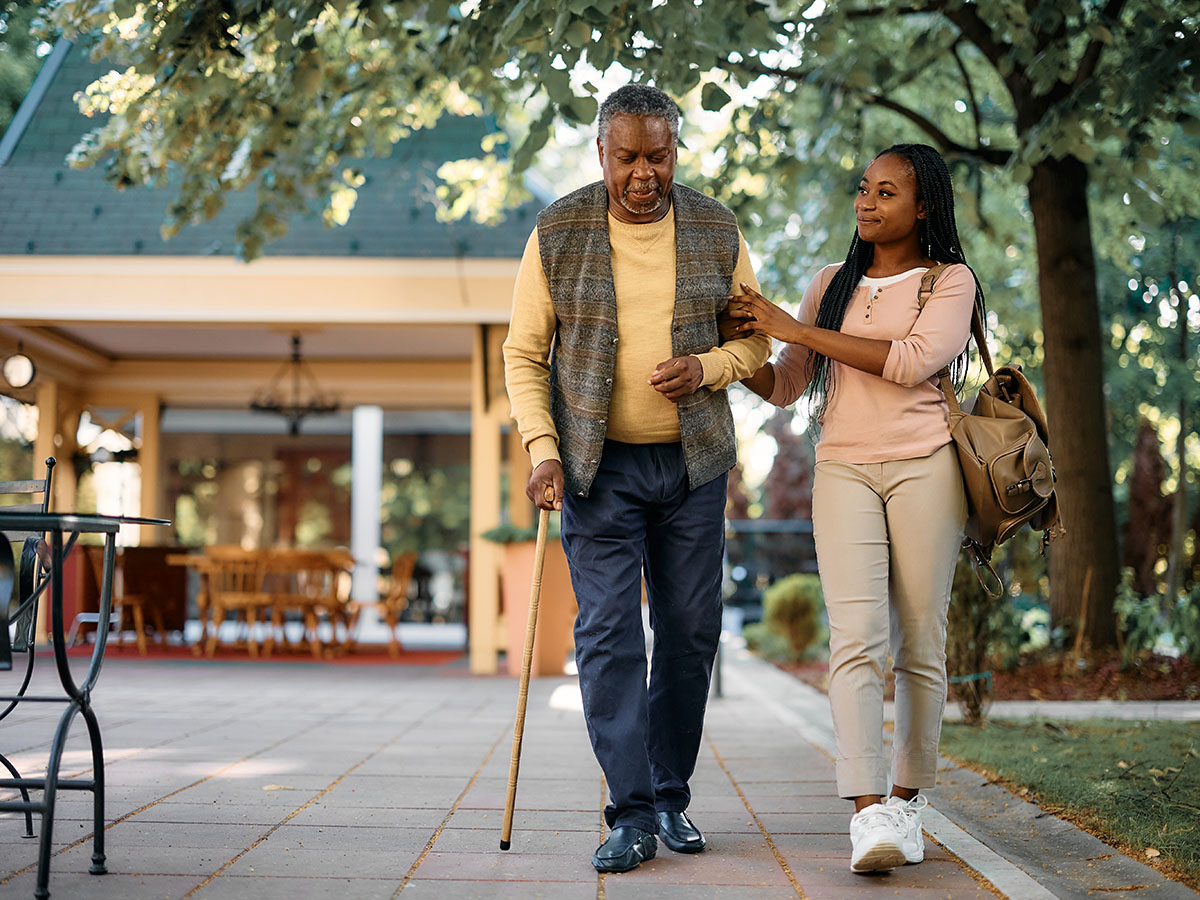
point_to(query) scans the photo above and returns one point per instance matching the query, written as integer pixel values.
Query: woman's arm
(782, 382)
(762, 382)
(759, 315)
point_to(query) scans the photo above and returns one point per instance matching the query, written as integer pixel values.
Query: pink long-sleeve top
(901, 414)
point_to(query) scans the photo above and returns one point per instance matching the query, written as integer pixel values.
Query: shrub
(772, 647)
(970, 630)
(792, 609)
(1151, 624)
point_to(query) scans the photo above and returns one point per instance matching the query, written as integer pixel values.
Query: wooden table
(264, 585)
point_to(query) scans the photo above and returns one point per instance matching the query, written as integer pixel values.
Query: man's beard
(647, 206)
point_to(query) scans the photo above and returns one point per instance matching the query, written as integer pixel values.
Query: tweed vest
(577, 261)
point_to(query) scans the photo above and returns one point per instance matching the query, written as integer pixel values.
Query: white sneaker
(913, 844)
(876, 838)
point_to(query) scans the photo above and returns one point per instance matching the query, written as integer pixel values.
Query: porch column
(366, 500)
(520, 510)
(484, 631)
(58, 424)
(150, 465)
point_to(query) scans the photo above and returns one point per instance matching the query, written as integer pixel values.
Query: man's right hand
(549, 473)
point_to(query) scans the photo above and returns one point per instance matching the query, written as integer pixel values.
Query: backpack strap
(923, 295)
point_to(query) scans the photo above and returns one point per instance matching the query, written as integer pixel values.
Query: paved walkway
(235, 780)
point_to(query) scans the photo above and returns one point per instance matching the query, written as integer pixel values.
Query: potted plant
(556, 606)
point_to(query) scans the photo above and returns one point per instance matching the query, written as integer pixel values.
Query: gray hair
(638, 100)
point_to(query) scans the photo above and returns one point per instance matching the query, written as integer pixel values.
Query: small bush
(792, 610)
(772, 647)
(970, 631)
(1152, 624)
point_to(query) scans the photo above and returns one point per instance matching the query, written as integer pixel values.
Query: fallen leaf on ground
(277, 787)
(1151, 853)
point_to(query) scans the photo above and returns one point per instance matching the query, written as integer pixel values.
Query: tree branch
(978, 32)
(966, 76)
(1091, 56)
(872, 12)
(994, 155)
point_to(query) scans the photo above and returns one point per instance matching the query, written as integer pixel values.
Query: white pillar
(366, 498)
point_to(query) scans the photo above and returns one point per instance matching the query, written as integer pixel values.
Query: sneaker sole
(884, 855)
(915, 858)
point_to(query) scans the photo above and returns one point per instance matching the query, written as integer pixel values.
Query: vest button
(615, 340)
(604, 421)
(608, 381)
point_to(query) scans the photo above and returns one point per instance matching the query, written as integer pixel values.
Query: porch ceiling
(342, 342)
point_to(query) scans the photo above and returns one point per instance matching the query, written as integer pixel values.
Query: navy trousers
(640, 516)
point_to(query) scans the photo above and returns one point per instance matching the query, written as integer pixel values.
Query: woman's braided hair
(938, 236)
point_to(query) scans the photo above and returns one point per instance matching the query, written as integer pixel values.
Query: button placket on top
(872, 297)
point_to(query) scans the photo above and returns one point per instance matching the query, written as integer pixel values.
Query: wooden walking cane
(535, 593)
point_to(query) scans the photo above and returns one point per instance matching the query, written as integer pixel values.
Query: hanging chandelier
(296, 377)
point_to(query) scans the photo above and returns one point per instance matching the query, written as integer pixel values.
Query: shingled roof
(48, 208)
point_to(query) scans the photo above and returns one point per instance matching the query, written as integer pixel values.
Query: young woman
(888, 501)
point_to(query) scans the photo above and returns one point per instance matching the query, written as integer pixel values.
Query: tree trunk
(1083, 563)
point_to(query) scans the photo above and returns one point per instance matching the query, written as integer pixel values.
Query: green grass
(1132, 784)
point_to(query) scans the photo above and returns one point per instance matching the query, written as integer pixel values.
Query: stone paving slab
(305, 781)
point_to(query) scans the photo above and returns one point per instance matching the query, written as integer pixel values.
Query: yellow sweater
(643, 264)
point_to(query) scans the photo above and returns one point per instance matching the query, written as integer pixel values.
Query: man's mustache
(642, 186)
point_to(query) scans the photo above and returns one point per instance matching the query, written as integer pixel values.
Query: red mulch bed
(363, 655)
(1062, 678)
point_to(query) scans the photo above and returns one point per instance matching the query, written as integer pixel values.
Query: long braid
(938, 236)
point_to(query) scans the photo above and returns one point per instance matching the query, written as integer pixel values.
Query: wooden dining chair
(390, 605)
(234, 583)
(304, 583)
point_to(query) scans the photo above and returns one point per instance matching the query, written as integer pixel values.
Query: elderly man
(617, 385)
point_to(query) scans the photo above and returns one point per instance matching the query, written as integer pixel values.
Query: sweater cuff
(542, 449)
(712, 367)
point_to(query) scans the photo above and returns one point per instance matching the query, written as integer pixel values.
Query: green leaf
(600, 54)
(584, 109)
(558, 86)
(713, 98)
(579, 34)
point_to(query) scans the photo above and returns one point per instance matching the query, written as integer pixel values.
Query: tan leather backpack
(1003, 447)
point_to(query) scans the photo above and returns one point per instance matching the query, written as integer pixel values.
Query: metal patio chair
(18, 632)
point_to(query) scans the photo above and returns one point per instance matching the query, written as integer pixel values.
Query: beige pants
(887, 537)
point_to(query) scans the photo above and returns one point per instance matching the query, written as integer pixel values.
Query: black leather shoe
(626, 848)
(678, 833)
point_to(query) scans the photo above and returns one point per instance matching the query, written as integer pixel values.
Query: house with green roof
(396, 318)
